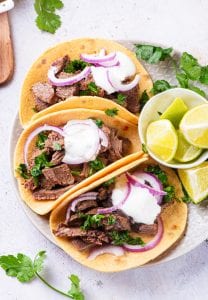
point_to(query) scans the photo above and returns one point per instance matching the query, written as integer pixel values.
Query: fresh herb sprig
(40, 143)
(47, 19)
(91, 221)
(122, 237)
(152, 54)
(111, 112)
(25, 270)
(96, 165)
(75, 65)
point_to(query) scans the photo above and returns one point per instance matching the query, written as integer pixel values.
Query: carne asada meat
(40, 105)
(44, 92)
(53, 139)
(60, 63)
(132, 100)
(59, 175)
(54, 194)
(87, 204)
(64, 92)
(144, 228)
(80, 244)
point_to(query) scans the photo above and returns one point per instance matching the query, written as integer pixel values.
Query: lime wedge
(194, 126)
(185, 151)
(175, 112)
(195, 181)
(162, 139)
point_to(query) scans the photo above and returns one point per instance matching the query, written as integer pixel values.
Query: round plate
(197, 226)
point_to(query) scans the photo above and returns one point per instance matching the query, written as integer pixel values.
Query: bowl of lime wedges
(173, 128)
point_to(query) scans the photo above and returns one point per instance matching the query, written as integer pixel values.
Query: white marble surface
(181, 24)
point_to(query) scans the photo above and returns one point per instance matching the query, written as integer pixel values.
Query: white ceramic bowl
(159, 103)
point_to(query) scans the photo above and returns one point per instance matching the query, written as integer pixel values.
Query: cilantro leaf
(160, 86)
(92, 221)
(182, 79)
(111, 112)
(99, 123)
(109, 182)
(41, 161)
(20, 266)
(57, 146)
(111, 220)
(123, 237)
(75, 291)
(197, 90)
(144, 148)
(143, 99)
(96, 165)
(75, 65)
(204, 75)
(190, 66)
(38, 261)
(47, 20)
(121, 98)
(40, 143)
(170, 190)
(92, 87)
(152, 54)
(22, 170)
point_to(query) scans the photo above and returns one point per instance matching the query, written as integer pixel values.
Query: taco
(83, 67)
(124, 220)
(64, 151)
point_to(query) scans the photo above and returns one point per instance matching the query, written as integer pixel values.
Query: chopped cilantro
(84, 93)
(190, 66)
(121, 99)
(144, 148)
(160, 86)
(92, 87)
(57, 146)
(75, 65)
(109, 182)
(22, 170)
(123, 237)
(92, 221)
(111, 220)
(75, 173)
(143, 99)
(40, 143)
(170, 190)
(41, 161)
(96, 165)
(99, 123)
(111, 112)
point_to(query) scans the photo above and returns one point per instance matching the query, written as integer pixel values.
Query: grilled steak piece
(64, 92)
(40, 105)
(120, 223)
(53, 139)
(85, 171)
(60, 63)
(87, 204)
(30, 184)
(59, 175)
(44, 92)
(44, 194)
(95, 237)
(81, 245)
(132, 99)
(144, 228)
(115, 146)
(74, 220)
(57, 157)
(83, 85)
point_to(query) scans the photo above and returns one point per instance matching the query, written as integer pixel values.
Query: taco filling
(114, 217)
(64, 156)
(111, 76)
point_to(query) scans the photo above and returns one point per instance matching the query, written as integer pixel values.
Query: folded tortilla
(174, 217)
(38, 71)
(124, 128)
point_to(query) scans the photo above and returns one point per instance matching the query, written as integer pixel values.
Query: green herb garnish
(144, 148)
(111, 220)
(57, 146)
(40, 143)
(96, 165)
(41, 161)
(190, 66)
(109, 182)
(160, 86)
(99, 123)
(92, 221)
(121, 98)
(25, 269)
(47, 20)
(23, 171)
(111, 112)
(92, 87)
(75, 65)
(143, 99)
(123, 237)
(75, 173)
(152, 54)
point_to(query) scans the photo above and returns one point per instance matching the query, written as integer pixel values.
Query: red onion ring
(66, 81)
(103, 138)
(108, 210)
(119, 86)
(150, 245)
(97, 59)
(134, 181)
(68, 214)
(83, 197)
(115, 250)
(35, 133)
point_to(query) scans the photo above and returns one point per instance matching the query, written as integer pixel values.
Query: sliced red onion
(153, 180)
(103, 138)
(35, 133)
(150, 245)
(66, 81)
(118, 85)
(83, 197)
(97, 59)
(115, 250)
(111, 63)
(68, 214)
(134, 181)
(77, 150)
(108, 210)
